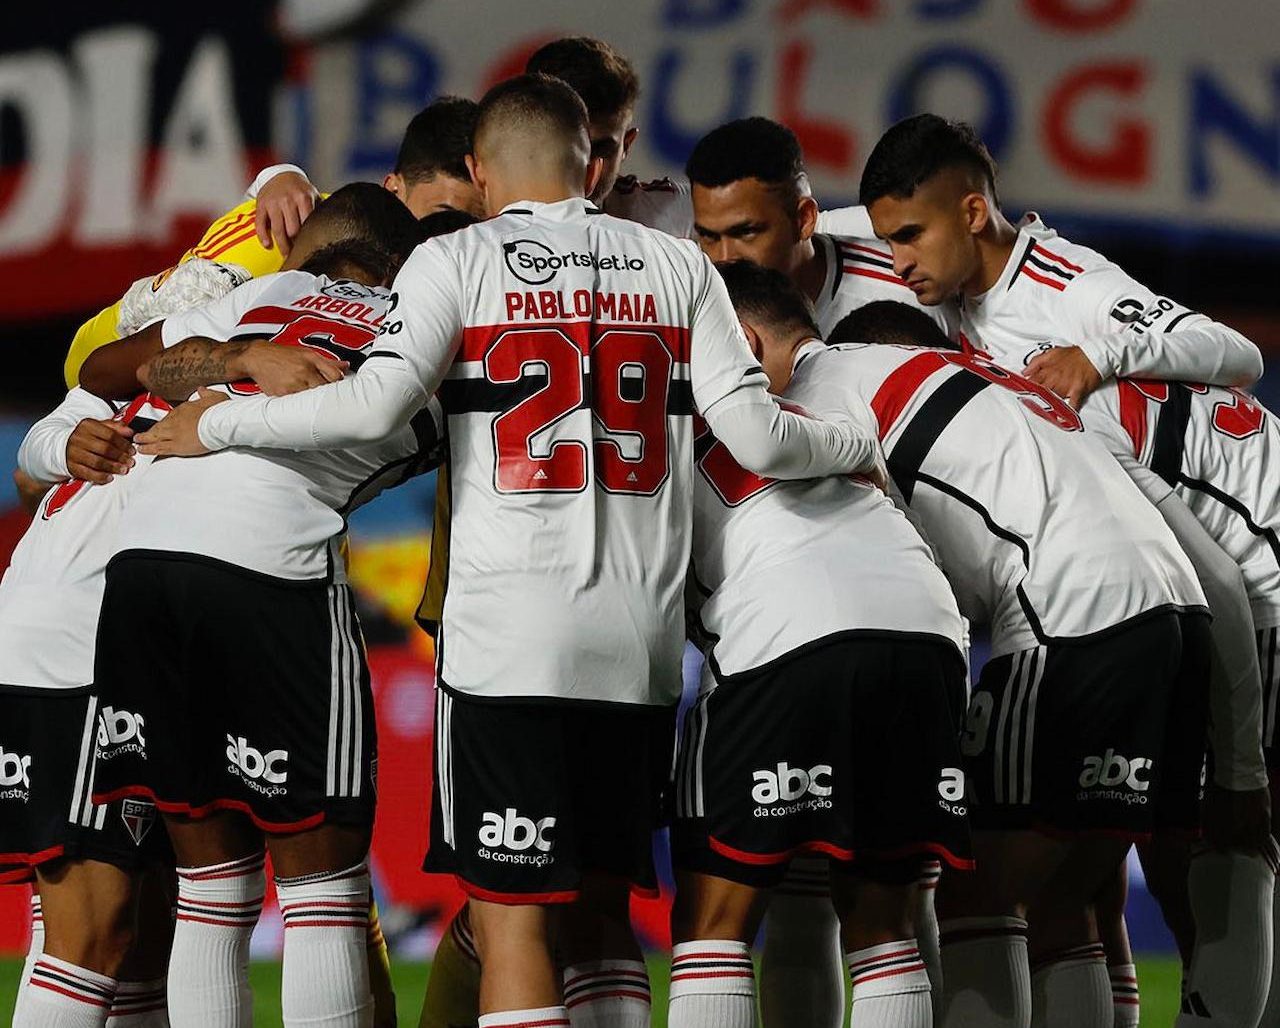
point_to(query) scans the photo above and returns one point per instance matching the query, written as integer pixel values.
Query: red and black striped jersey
(1042, 535)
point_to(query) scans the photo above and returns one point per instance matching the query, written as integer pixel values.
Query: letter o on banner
(994, 127)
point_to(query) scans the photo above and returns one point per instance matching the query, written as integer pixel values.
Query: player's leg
(606, 981)
(924, 915)
(453, 990)
(1271, 1015)
(802, 966)
(141, 999)
(713, 923)
(35, 948)
(379, 958)
(1113, 931)
(890, 982)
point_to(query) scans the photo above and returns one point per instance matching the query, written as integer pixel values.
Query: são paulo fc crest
(138, 817)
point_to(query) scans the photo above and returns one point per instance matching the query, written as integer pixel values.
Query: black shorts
(47, 740)
(528, 796)
(1269, 662)
(848, 749)
(1106, 735)
(225, 690)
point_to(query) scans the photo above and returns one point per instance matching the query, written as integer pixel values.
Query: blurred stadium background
(1148, 128)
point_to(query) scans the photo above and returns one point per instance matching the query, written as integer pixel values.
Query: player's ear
(754, 341)
(473, 169)
(628, 140)
(394, 183)
(595, 168)
(806, 216)
(977, 212)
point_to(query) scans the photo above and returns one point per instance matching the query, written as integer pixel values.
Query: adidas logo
(1112, 769)
(785, 783)
(255, 764)
(14, 770)
(119, 726)
(512, 832)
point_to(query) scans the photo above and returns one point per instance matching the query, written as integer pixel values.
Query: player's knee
(714, 909)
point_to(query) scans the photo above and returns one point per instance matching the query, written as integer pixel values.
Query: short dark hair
(362, 212)
(340, 259)
(534, 98)
(767, 296)
(888, 321)
(916, 149)
(445, 222)
(748, 148)
(594, 70)
(438, 140)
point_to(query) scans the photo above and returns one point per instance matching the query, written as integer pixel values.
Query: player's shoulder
(233, 239)
(864, 259)
(630, 185)
(1058, 266)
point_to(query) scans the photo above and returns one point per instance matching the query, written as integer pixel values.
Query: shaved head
(533, 127)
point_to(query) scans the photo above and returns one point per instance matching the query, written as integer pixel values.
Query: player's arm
(417, 343)
(731, 392)
(111, 371)
(181, 369)
(846, 221)
(77, 439)
(1119, 327)
(284, 198)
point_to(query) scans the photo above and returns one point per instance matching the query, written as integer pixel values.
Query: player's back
(278, 512)
(781, 565)
(569, 410)
(1041, 533)
(1219, 448)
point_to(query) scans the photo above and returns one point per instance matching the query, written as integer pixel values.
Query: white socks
(607, 994)
(62, 995)
(209, 965)
(1125, 1001)
(140, 1005)
(712, 986)
(984, 965)
(1071, 989)
(802, 969)
(325, 979)
(890, 987)
(1231, 899)
(33, 952)
(543, 1017)
(926, 923)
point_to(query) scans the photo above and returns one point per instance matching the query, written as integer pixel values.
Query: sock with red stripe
(802, 963)
(209, 964)
(890, 987)
(1124, 995)
(607, 994)
(140, 1005)
(713, 985)
(62, 995)
(985, 971)
(33, 952)
(1071, 989)
(543, 1017)
(325, 980)
(926, 923)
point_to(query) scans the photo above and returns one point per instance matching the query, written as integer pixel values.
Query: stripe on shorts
(346, 714)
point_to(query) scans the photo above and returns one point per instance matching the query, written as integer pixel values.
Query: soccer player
(573, 348)
(752, 200)
(930, 187)
(245, 547)
(828, 719)
(1002, 477)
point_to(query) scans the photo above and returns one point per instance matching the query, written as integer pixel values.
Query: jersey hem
(14, 689)
(548, 701)
(1186, 610)
(186, 557)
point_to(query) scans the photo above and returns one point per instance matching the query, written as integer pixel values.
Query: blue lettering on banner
(937, 10)
(995, 128)
(392, 70)
(672, 141)
(1216, 114)
(700, 14)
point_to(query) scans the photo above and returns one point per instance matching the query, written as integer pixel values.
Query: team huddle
(820, 445)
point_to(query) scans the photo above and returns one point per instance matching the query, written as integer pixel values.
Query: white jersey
(280, 513)
(1054, 291)
(570, 350)
(52, 591)
(1219, 449)
(846, 221)
(782, 565)
(859, 272)
(664, 204)
(1042, 534)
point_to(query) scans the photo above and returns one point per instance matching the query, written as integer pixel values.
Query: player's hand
(281, 370)
(1067, 371)
(96, 450)
(1239, 821)
(283, 205)
(30, 491)
(177, 433)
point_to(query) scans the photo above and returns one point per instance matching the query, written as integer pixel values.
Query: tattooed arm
(179, 371)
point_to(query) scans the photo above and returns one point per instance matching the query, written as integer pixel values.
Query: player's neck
(995, 248)
(529, 191)
(811, 270)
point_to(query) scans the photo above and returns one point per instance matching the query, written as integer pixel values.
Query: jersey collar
(560, 210)
(806, 349)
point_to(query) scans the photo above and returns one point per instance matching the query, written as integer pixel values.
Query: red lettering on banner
(851, 8)
(1081, 15)
(823, 142)
(1125, 156)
